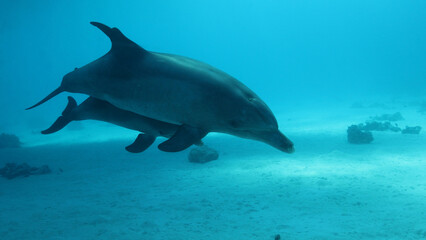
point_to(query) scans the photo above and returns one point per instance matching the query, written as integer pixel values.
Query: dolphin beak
(289, 150)
(47, 98)
(279, 141)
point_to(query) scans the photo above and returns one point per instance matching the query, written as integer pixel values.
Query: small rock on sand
(202, 154)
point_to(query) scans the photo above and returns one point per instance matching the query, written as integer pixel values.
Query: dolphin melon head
(256, 121)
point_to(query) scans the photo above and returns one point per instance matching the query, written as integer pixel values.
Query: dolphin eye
(75, 69)
(235, 123)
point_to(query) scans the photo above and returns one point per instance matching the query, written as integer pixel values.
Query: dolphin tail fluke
(63, 120)
(47, 98)
(142, 142)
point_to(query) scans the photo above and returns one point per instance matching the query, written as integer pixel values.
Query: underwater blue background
(291, 53)
(319, 65)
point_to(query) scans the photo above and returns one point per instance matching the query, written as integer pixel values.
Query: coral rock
(357, 136)
(202, 154)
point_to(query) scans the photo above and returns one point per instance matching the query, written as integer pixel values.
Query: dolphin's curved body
(95, 109)
(177, 90)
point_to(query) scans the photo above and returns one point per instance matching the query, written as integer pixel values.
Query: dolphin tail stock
(63, 120)
(184, 137)
(142, 142)
(48, 97)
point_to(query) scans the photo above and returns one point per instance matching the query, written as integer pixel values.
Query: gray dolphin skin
(174, 89)
(95, 109)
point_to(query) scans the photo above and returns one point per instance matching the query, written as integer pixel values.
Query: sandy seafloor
(327, 189)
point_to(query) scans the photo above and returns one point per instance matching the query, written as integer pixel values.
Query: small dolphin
(174, 89)
(95, 109)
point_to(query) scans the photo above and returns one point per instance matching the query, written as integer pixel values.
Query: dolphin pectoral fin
(142, 142)
(199, 143)
(184, 137)
(63, 120)
(72, 104)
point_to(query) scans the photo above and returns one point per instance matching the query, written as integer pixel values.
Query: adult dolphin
(95, 109)
(174, 89)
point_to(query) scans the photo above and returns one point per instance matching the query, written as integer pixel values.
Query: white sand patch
(328, 189)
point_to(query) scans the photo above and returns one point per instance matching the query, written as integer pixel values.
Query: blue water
(319, 65)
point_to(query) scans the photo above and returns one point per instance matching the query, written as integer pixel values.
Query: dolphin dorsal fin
(120, 44)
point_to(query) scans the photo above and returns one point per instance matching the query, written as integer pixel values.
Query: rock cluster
(379, 126)
(411, 130)
(13, 170)
(361, 133)
(389, 117)
(9, 141)
(358, 136)
(202, 154)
